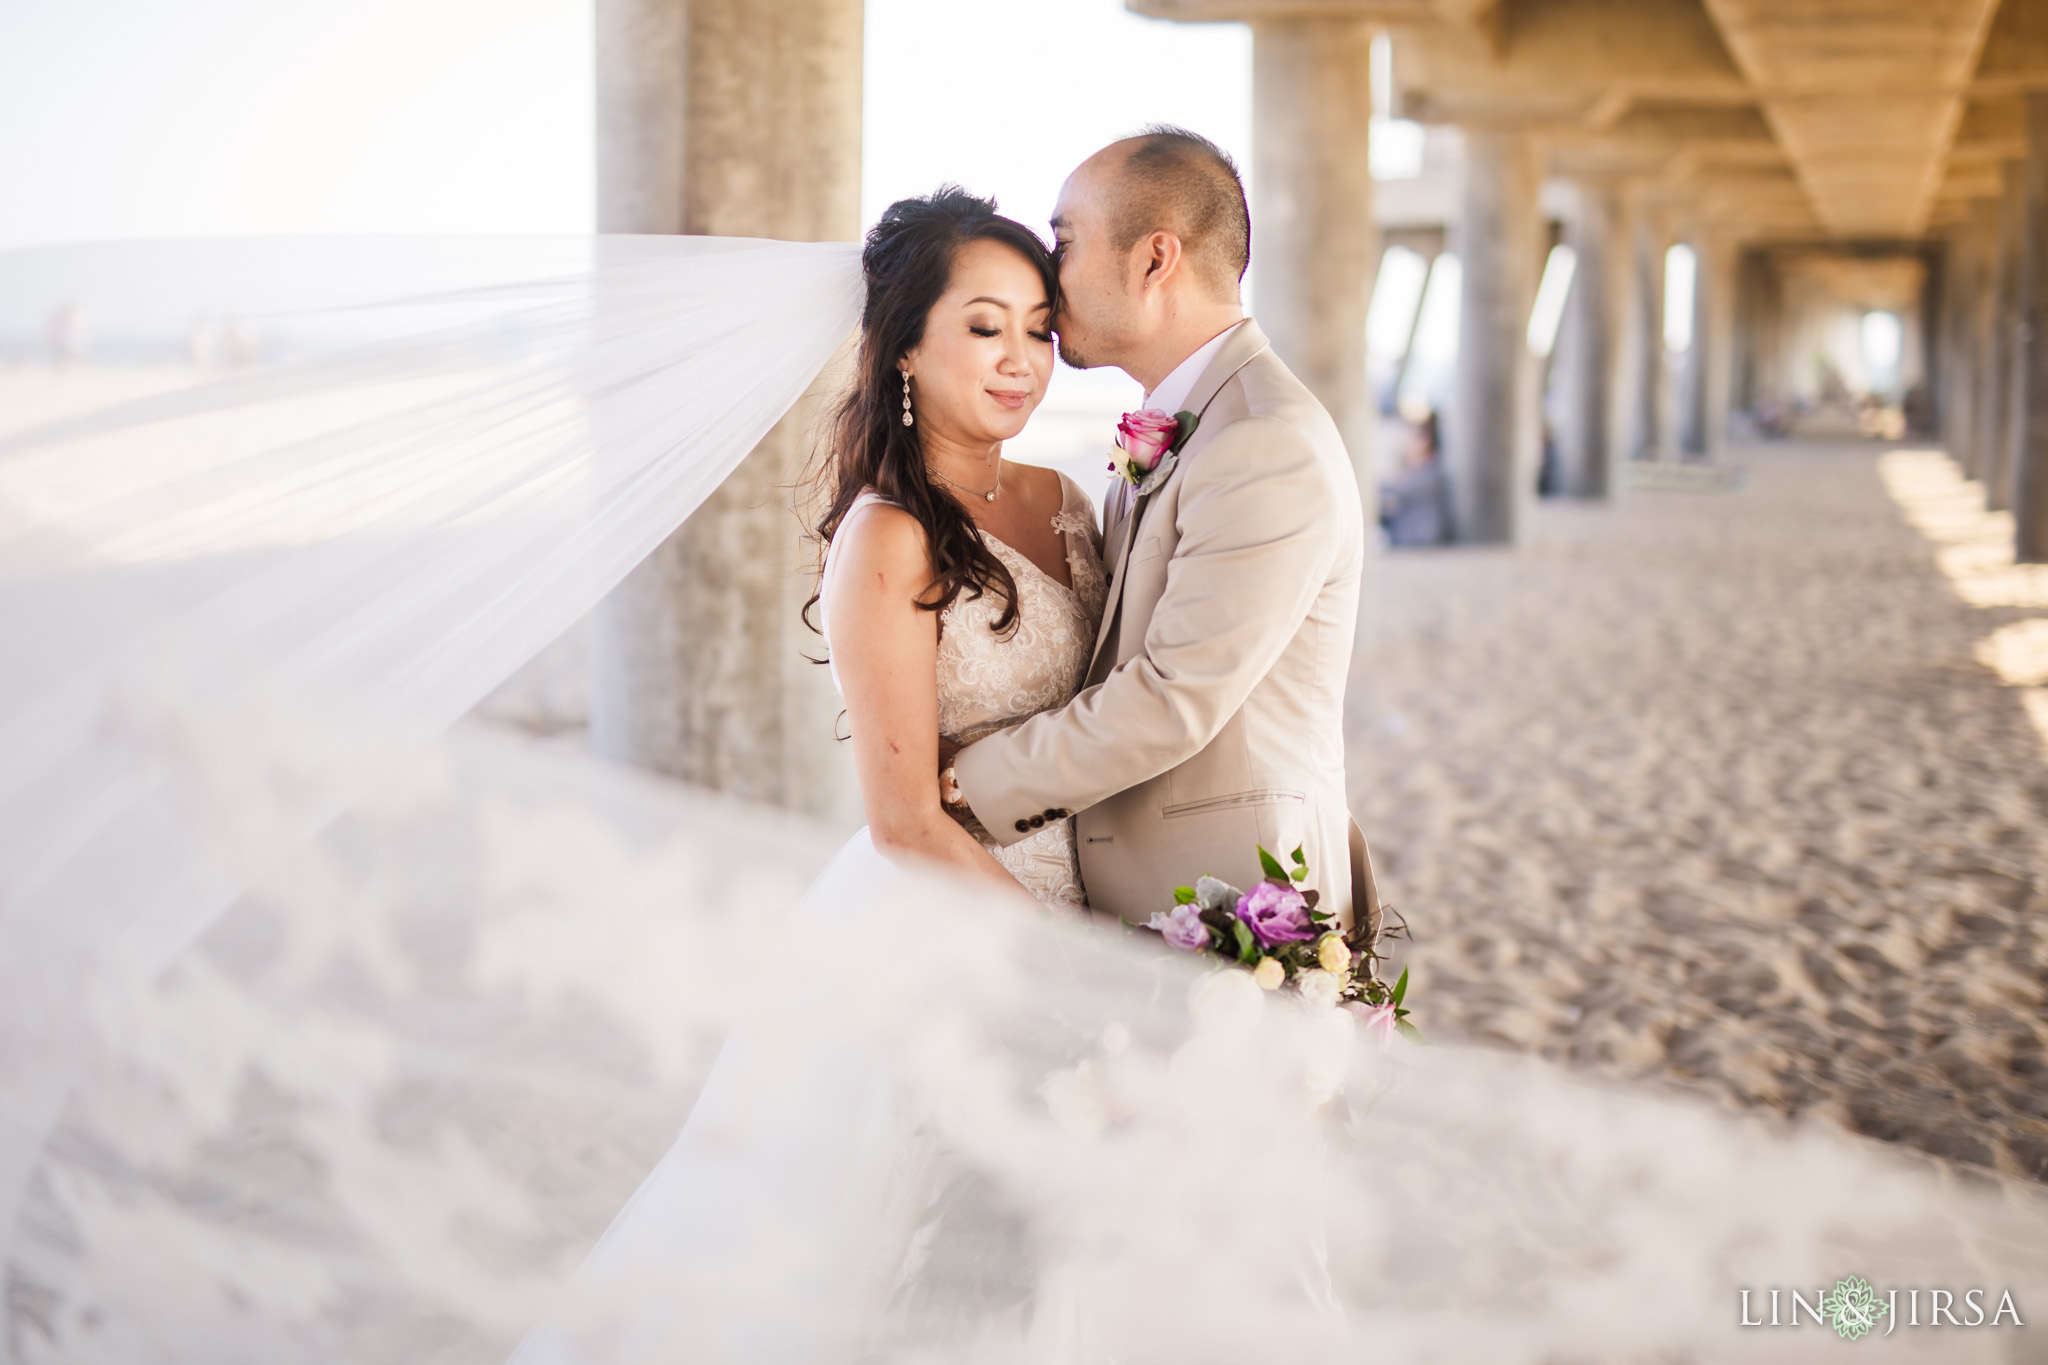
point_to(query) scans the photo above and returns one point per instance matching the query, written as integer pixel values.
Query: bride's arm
(885, 651)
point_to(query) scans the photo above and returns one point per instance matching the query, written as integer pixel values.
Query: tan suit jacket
(1212, 718)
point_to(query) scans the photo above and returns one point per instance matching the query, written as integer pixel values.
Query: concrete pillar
(1314, 240)
(1589, 341)
(1978, 317)
(1720, 264)
(1641, 387)
(640, 47)
(1957, 346)
(2030, 347)
(1689, 395)
(1706, 375)
(1491, 430)
(1987, 218)
(1998, 463)
(731, 118)
(1759, 337)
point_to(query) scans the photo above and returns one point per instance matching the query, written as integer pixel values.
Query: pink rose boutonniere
(1146, 443)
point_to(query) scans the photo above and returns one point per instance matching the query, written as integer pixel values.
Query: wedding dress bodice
(989, 682)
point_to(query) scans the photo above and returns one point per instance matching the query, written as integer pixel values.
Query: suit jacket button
(1052, 814)
(1037, 821)
(1023, 825)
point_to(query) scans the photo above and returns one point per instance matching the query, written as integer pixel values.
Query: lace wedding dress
(881, 1202)
(990, 682)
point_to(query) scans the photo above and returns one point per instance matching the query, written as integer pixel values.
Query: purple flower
(1182, 927)
(1275, 914)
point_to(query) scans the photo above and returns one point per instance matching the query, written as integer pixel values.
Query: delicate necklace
(989, 496)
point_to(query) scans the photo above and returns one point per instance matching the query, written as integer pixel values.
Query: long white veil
(335, 1028)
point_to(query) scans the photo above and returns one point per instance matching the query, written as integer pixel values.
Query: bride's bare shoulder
(1043, 488)
(879, 547)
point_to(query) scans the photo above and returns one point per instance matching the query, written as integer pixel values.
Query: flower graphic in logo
(1852, 1308)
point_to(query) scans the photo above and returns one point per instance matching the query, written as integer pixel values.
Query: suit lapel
(1244, 345)
(1116, 518)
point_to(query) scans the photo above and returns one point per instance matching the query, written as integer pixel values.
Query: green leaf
(1183, 895)
(1271, 865)
(1247, 948)
(1408, 1030)
(1297, 856)
(1401, 986)
(1299, 874)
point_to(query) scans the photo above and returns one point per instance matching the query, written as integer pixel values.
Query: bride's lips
(1011, 398)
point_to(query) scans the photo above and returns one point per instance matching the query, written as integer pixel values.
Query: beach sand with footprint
(1741, 792)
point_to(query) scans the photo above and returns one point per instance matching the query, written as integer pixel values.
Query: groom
(1211, 718)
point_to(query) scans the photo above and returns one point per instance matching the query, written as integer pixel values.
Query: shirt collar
(1172, 393)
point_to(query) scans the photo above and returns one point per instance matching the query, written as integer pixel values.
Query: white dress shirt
(1172, 394)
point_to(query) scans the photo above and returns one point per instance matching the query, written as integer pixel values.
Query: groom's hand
(949, 790)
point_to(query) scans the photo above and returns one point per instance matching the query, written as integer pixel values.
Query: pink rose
(1145, 436)
(1380, 1021)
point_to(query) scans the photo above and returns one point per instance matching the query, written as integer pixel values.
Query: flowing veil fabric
(333, 1027)
(231, 605)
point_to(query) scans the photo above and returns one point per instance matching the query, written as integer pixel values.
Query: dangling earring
(908, 420)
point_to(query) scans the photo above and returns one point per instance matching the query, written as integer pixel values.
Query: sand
(1724, 790)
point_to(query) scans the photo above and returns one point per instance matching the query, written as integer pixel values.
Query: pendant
(990, 495)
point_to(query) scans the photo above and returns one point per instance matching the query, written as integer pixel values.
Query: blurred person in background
(1415, 505)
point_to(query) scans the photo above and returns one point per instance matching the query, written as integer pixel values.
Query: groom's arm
(1258, 535)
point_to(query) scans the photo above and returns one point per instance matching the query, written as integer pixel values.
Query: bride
(960, 595)
(961, 592)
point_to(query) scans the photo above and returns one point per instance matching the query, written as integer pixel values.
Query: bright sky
(144, 118)
(141, 118)
(968, 90)
(160, 118)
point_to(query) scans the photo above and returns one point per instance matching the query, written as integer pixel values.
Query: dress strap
(868, 496)
(1076, 517)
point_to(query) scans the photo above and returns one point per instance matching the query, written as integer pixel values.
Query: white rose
(1225, 1001)
(1318, 987)
(1269, 974)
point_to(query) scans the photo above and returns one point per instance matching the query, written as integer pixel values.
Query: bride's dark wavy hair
(908, 263)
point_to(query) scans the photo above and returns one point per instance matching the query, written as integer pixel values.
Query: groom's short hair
(1184, 183)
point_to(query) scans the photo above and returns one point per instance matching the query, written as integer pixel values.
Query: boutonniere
(1147, 443)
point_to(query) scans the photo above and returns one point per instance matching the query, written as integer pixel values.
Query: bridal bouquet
(1275, 930)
